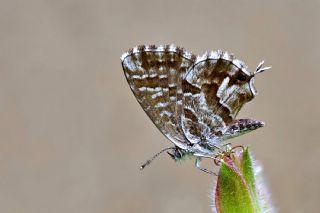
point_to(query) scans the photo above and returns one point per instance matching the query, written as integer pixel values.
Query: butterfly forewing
(155, 75)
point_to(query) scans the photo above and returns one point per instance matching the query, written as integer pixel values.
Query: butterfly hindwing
(213, 96)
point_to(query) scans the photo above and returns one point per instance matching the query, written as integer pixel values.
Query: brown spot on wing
(190, 115)
(189, 88)
(210, 91)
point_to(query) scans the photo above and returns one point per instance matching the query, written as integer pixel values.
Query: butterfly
(193, 100)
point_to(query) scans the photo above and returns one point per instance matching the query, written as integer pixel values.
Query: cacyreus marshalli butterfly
(193, 100)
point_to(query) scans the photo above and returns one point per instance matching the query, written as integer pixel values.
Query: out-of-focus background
(72, 135)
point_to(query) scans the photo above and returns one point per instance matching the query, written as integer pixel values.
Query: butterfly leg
(197, 164)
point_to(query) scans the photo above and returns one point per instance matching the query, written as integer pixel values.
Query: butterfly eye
(242, 77)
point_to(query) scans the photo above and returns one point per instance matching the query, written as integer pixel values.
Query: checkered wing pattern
(215, 89)
(155, 75)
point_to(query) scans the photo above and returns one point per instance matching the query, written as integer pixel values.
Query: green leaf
(232, 193)
(247, 171)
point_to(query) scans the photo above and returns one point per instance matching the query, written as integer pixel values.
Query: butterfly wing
(155, 76)
(213, 96)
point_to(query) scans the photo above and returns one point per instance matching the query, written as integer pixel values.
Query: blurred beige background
(72, 136)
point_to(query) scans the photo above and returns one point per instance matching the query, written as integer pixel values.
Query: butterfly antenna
(154, 157)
